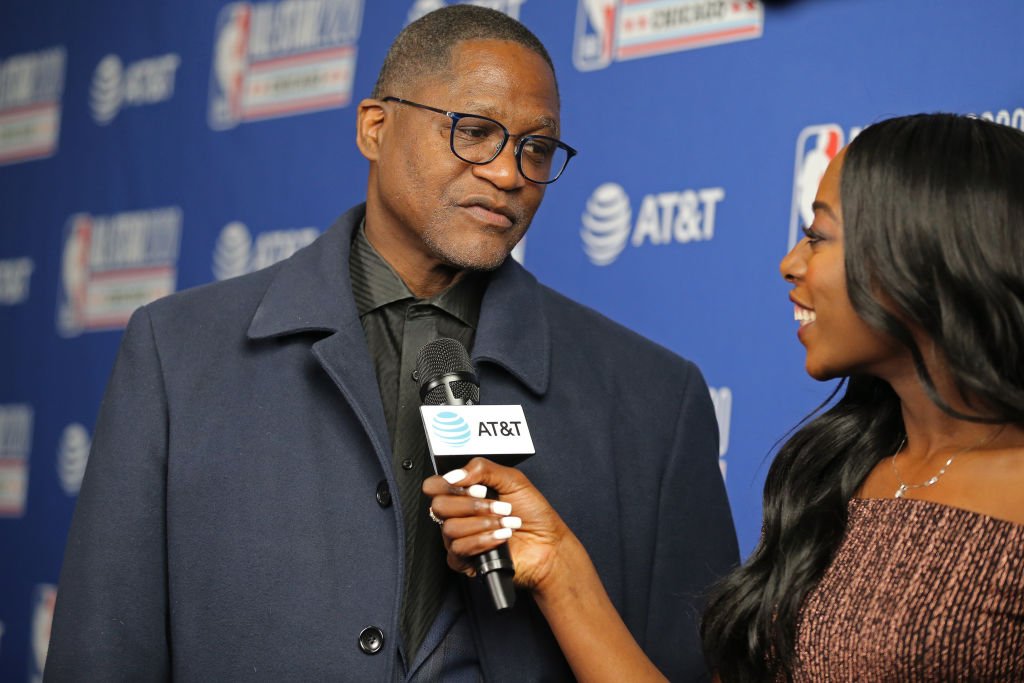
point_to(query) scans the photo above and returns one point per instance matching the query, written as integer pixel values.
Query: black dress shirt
(397, 326)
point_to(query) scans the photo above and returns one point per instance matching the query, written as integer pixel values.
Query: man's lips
(489, 213)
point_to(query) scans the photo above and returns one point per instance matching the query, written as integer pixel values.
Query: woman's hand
(537, 537)
(549, 559)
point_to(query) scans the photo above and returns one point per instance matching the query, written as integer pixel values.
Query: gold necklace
(904, 487)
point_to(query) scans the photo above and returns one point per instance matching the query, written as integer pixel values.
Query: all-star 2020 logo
(283, 58)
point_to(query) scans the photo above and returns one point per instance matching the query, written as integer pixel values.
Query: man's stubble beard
(447, 248)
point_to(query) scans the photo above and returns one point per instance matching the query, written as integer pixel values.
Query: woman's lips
(804, 315)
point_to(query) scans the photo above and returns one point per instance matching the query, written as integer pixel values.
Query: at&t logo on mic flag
(476, 430)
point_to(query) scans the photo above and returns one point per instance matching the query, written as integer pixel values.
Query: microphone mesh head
(442, 357)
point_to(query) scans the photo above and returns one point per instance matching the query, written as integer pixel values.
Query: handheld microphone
(446, 377)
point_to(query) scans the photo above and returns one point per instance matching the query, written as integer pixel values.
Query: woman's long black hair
(933, 213)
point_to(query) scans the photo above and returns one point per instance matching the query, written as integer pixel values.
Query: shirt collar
(310, 292)
(375, 284)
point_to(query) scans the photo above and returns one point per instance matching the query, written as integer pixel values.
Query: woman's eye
(813, 237)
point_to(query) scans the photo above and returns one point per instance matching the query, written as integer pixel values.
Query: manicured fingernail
(477, 491)
(511, 522)
(501, 507)
(455, 476)
(502, 534)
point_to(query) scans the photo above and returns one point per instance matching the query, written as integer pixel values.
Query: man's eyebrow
(822, 206)
(548, 122)
(542, 121)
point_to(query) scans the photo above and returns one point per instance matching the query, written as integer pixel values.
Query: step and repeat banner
(150, 147)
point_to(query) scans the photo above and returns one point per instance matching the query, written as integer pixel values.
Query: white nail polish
(511, 522)
(477, 491)
(455, 476)
(502, 534)
(500, 507)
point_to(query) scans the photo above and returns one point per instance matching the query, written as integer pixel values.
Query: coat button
(383, 494)
(407, 464)
(371, 640)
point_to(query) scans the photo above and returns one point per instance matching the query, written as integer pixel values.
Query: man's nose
(503, 170)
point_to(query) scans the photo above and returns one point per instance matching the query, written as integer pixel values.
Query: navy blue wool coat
(229, 528)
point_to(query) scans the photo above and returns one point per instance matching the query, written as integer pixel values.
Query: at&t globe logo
(106, 95)
(72, 457)
(232, 253)
(606, 224)
(451, 428)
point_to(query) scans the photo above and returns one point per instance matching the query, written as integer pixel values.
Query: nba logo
(75, 269)
(595, 34)
(229, 65)
(816, 146)
(43, 600)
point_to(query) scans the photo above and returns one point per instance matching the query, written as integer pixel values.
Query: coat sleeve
(696, 540)
(111, 617)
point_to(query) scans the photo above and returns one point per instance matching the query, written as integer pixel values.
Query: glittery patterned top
(918, 591)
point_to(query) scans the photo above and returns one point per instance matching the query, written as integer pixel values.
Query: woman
(893, 537)
(893, 545)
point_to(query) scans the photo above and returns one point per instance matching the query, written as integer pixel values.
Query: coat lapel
(312, 292)
(513, 332)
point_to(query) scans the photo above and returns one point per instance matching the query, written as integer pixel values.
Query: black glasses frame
(517, 151)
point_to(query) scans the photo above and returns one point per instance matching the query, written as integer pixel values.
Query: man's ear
(369, 127)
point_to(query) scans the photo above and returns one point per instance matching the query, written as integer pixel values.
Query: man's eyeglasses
(479, 140)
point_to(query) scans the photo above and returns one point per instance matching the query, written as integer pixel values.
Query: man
(252, 505)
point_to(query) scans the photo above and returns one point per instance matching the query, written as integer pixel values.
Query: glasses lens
(542, 158)
(477, 140)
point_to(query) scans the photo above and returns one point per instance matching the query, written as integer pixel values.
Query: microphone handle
(496, 568)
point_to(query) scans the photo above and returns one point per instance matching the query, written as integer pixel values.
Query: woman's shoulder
(988, 483)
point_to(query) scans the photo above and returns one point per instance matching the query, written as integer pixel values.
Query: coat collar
(514, 331)
(311, 291)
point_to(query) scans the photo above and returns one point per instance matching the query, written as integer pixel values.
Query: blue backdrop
(150, 147)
